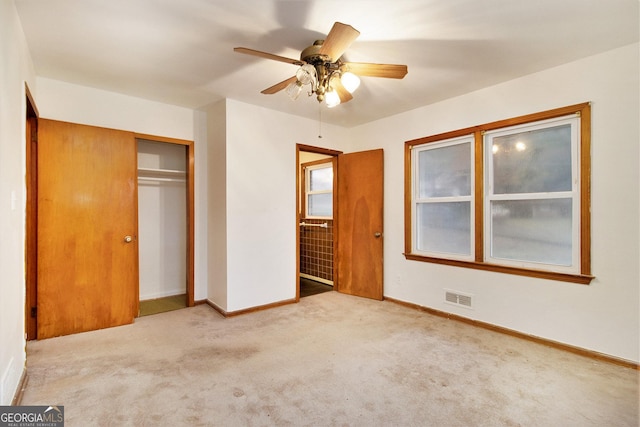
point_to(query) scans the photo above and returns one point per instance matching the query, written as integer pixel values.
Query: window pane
(321, 179)
(536, 161)
(444, 227)
(532, 230)
(320, 204)
(445, 171)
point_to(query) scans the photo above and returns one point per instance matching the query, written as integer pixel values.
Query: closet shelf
(169, 175)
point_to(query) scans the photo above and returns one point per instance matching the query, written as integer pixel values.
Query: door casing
(31, 230)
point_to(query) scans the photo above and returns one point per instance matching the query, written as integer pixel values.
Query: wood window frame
(583, 110)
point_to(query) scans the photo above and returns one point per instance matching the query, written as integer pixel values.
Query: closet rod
(159, 179)
(304, 224)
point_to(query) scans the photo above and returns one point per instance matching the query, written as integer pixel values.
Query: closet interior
(162, 225)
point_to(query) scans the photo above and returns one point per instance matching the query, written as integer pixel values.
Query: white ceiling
(181, 51)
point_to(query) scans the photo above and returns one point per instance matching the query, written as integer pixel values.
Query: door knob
(128, 239)
(377, 234)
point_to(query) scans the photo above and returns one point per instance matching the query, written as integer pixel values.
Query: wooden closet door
(87, 225)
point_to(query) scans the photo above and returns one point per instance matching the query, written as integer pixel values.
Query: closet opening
(315, 215)
(163, 226)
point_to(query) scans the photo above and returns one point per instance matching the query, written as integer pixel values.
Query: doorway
(315, 215)
(162, 226)
(357, 188)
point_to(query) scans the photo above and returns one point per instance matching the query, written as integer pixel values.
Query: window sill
(582, 279)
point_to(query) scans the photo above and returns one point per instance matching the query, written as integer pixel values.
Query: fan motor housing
(312, 55)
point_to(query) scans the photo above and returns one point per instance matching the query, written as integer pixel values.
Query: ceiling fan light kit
(322, 78)
(320, 66)
(350, 81)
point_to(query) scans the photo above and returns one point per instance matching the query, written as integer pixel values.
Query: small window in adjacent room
(511, 196)
(318, 189)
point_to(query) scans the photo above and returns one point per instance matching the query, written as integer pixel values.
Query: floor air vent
(457, 298)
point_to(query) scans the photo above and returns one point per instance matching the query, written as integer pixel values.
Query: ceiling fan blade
(338, 40)
(392, 71)
(279, 86)
(343, 93)
(266, 55)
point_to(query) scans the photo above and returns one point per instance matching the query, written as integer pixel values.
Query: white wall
(69, 102)
(261, 201)
(15, 69)
(602, 316)
(201, 209)
(80, 104)
(217, 203)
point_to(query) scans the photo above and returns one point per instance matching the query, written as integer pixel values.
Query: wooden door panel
(87, 273)
(359, 223)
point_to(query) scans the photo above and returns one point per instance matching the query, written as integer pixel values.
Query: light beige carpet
(331, 360)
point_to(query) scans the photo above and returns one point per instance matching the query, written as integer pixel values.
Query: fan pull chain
(319, 120)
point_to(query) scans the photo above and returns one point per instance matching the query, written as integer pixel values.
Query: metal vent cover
(458, 298)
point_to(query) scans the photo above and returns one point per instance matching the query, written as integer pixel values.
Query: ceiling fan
(321, 67)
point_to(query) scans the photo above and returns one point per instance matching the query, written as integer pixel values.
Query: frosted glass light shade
(350, 81)
(306, 74)
(332, 99)
(294, 89)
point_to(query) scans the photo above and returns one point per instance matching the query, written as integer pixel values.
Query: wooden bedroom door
(87, 223)
(359, 223)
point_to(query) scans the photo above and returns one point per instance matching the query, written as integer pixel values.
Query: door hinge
(34, 311)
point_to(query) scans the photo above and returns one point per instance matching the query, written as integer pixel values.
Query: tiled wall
(316, 249)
